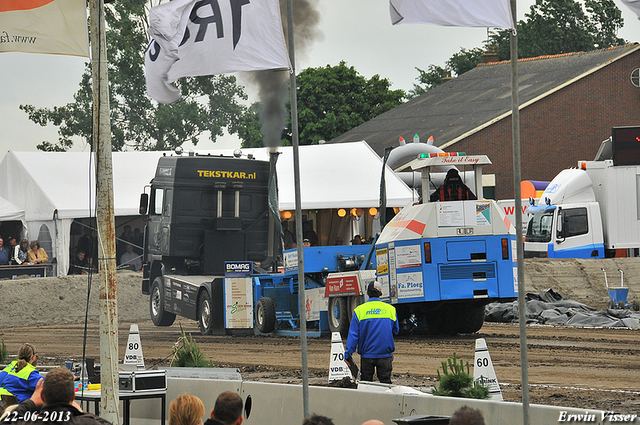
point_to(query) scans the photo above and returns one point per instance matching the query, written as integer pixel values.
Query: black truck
(201, 211)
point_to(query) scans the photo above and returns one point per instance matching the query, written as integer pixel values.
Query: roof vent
(635, 77)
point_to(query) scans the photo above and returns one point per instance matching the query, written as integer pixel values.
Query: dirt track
(576, 367)
(584, 368)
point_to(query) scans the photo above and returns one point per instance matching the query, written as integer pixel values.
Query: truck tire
(205, 315)
(156, 305)
(266, 315)
(339, 315)
(470, 319)
(441, 321)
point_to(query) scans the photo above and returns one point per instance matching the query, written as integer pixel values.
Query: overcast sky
(358, 32)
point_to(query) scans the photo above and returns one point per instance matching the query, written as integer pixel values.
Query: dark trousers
(382, 367)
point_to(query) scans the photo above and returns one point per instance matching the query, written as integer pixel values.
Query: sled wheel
(266, 315)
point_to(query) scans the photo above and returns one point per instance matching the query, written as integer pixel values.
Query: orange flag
(44, 26)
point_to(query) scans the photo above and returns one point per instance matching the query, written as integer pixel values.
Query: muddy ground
(573, 367)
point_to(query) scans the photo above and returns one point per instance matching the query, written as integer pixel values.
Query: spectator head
(357, 240)
(373, 422)
(452, 175)
(12, 240)
(129, 248)
(306, 242)
(80, 253)
(228, 408)
(186, 410)
(58, 386)
(317, 420)
(34, 244)
(338, 240)
(24, 244)
(374, 289)
(467, 416)
(27, 354)
(1, 242)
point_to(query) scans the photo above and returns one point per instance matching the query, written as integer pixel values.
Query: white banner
(456, 13)
(44, 26)
(633, 5)
(207, 37)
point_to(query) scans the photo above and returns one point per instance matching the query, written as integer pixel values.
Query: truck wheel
(470, 319)
(441, 321)
(339, 316)
(354, 302)
(266, 315)
(205, 315)
(156, 305)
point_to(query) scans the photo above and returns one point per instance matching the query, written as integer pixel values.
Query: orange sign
(9, 5)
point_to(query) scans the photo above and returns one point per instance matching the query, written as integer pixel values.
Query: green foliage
(186, 353)
(4, 356)
(334, 99)
(456, 382)
(208, 104)
(555, 27)
(551, 27)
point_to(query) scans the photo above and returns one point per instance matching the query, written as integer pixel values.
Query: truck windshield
(539, 227)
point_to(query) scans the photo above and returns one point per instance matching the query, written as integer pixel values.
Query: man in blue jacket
(371, 331)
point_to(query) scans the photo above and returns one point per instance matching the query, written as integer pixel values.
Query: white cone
(133, 353)
(483, 370)
(338, 368)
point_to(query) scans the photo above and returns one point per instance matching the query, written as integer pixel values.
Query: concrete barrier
(278, 404)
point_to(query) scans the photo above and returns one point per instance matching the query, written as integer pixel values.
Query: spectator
(338, 241)
(130, 260)
(186, 410)
(4, 254)
(317, 420)
(79, 264)
(227, 410)
(467, 416)
(19, 379)
(306, 243)
(11, 249)
(89, 245)
(55, 398)
(373, 422)
(371, 332)
(453, 189)
(37, 254)
(357, 240)
(309, 233)
(22, 252)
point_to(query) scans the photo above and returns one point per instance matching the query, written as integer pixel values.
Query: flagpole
(101, 144)
(299, 234)
(517, 177)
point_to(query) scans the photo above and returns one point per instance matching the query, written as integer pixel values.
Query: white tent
(53, 188)
(9, 212)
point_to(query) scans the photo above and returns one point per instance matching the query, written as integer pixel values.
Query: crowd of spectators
(12, 253)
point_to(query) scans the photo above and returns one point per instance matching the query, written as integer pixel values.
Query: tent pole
(101, 144)
(517, 177)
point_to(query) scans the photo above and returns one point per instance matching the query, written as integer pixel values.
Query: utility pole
(101, 145)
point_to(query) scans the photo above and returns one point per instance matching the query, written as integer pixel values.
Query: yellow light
(286, 215)
(373, 211)
(342, 212)
(359, 212)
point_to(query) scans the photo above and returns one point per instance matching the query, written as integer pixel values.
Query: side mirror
(560, 225)
(144, 203)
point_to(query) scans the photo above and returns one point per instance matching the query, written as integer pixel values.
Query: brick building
(568, 104)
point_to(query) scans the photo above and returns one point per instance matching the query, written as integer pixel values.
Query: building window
(635, 77)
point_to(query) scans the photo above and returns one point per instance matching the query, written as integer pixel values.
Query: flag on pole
(633, 5)
(456, 13)
(44, 26)
(207, 37)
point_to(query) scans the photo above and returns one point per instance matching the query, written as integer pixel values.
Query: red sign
(342, 285)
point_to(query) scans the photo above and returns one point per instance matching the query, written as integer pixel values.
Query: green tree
(334, 99)
(550, 27)
(554, 27)
(208, 104)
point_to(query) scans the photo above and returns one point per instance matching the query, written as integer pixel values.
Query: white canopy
(9, 212)
(53, 188)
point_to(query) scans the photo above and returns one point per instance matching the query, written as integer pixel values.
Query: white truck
(592, 211)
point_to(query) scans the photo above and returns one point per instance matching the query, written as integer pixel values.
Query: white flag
(207, 37)
(455, 13)
(633, 5)
(44, 26)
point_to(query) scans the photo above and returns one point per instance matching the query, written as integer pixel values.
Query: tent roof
(9, 212)
(345, 175)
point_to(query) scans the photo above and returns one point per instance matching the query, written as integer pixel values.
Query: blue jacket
(20, 384)
(4, 257)
(372, 328)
